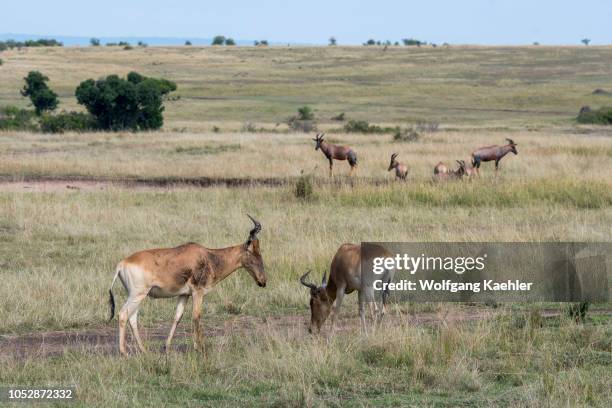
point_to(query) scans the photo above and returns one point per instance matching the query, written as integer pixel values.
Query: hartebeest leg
(496, 165)
(129, 308)
(180, 308)
(198, 297)
(361, 300)
(331, 167)
(133, 319)
(337, 305)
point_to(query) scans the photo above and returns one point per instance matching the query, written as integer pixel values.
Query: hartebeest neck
(324, 148)
(505, 150)
(229, 260)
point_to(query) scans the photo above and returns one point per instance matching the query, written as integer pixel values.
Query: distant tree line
(42, 42)
(222, 40)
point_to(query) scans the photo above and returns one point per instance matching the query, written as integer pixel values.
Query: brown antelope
(344, 278)
(440, 168)
(490, 153)
(470, 172)
(451, 174)
(335, 152)
(401, 170)
(183, 271)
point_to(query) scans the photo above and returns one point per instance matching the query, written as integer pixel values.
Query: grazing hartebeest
(344, 278)
(335, 152)
(401, 170)
(451, 174)
(440, 168)
(183, 271)
(495, 152)
(470, 172)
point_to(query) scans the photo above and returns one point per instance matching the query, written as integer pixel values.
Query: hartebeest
(470, 172)
(344, 278)
(440, 168)
(401, 170)
(183, 271)
(450, 174)
(335, 152)
(495, 152)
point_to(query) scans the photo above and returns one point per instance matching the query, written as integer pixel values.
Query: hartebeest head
(320, 303)
(319, 140)
(393, 162)
(251, 257)
(512, 146)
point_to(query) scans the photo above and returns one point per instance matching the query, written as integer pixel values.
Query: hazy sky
(314, 21)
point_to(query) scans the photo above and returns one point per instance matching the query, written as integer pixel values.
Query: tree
(585, 41)
(35, 88)
(187, 42)
(95, 42)
(135, 103)
(218, 40)
(332, 41)
(230, 41)
(370, 42)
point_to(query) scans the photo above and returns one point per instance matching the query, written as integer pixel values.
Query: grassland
(59, 246)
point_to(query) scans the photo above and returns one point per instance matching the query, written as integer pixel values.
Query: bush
(43, 98)
(339, 117)
(412, 41)
(94, 42)
(362, 126)
(304, 121)
(303, 187)
(218, 40)
(1, 62)
(230, 41)
(135, 103)
(67, 122)
(405, 135)
(262, 43)
(601, 116)
(187, 42)
(249, 127)
(13, 118)
(427, 127)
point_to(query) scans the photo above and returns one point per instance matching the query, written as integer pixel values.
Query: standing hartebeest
(495, 152)
(183, 271)
(344, 278)
(401, 170)
(335, 152)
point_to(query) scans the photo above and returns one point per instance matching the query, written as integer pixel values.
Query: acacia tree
(41, 96)
(135, 103)
(332, 41)
(585, 41)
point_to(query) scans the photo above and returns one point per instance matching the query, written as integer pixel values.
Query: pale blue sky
(314, 21)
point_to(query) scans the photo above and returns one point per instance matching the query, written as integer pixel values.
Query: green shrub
(135, 103)
(601, 116)
(405, 135)
(13, 118)
(67, 122)
(187, 43)
(43, 98)
(304, 121)
(339, 117)
(230, 41)
(303, 187)
(1, 62)
(94, 42)
(362, 126)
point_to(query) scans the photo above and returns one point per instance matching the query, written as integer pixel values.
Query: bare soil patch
(104, 340)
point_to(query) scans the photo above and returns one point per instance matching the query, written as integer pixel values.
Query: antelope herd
(192, 270)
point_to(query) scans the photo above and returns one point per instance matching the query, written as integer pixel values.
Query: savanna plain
(74, 204)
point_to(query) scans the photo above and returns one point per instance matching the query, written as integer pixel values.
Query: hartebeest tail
(335, 152)
(490, 153)
(183, 271)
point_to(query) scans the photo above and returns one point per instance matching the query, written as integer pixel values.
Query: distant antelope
(335, 152)
(451, 174)
(495, 152)
(401, 170)
(440, 168)
(183, 271)
(344, 278)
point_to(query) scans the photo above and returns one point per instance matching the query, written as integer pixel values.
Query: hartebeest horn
(324, 280)
(394, 155)
(256, 229)
(511, 142)
(307, 284)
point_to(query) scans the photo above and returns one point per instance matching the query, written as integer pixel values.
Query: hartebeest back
(344, 278)
(183, 271)
(401, 170)
(490, 153)
(449, 174)
(335, 152)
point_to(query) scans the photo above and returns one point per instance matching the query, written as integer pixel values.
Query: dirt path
(103, 340)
